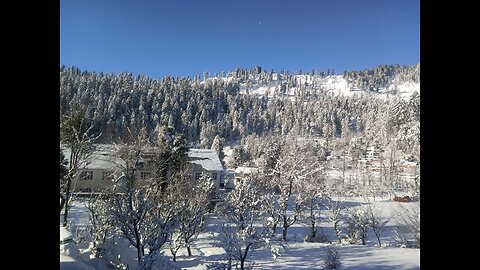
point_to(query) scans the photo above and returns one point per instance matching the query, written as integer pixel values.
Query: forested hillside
(251, 104)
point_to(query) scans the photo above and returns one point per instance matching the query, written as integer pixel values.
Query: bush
(320, 237)
(331, 259)
(402, 198)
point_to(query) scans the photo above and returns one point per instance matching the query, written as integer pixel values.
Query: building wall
(99, 183)
(197, 171)
(94, 184)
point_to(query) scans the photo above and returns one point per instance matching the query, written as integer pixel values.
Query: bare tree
(269, 207)
(243, 234)
(377, 222)
(358, 221)
(335, 207)
(192, 205)
(175, 243)
(129, 213)
(294, 166)
(63, 173)
(312, 203)
(143, 218)
(411, 227)
(100, 226)
(76, 136)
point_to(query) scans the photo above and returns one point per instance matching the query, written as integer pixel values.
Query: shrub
(402, 198)
(331, 259)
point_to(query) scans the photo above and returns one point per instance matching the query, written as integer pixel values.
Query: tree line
(122, 104)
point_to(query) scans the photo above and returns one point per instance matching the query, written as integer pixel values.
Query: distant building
(206, 162)
(373, 152)
(102, 169)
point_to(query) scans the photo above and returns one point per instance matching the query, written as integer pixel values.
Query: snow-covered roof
(246, 170)
(104, 158)
(207, 158)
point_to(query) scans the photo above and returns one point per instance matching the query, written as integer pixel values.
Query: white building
(206, 162)
(373, 152)
(103, 167)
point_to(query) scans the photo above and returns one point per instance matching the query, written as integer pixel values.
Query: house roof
(246, 170)
(207, 158)
(104, 158)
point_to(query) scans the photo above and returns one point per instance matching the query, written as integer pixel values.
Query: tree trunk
(344, 168)
(174, 252)
(139, 257)
(65, 215)
(244, 258)
(274, 228)
(364, 238)
(189, 251)
(313, 232)
(335, 226)
(285, 228)
(67, 201)
(378, 238)
(62, 202)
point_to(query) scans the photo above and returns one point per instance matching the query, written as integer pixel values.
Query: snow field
(297, 254)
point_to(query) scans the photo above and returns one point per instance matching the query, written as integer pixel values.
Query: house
(99, 170)
(206, 162)
(102, 169)
(373, 152)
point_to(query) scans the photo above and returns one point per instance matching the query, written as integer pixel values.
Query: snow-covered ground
(297, 255)
(70, 258)
(302, 255)
(335, 84)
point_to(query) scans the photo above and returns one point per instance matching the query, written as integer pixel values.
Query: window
(221, 182)
(214, 176)
(106, 175)
(86, 175)
(145, 175)
(198, 175)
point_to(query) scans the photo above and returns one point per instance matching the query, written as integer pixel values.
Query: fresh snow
(70, 258)
(69, 263)
(335, 84)
(406, 89)
(297, 254)
(207, 158)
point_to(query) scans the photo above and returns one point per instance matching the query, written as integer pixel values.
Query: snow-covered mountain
(274, 83)
(243, 102)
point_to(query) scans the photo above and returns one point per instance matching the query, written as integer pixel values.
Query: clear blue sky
(181, 37)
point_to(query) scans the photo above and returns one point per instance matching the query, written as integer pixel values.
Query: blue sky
(181, 37)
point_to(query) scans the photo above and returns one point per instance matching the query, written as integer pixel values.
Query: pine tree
(218, 144)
